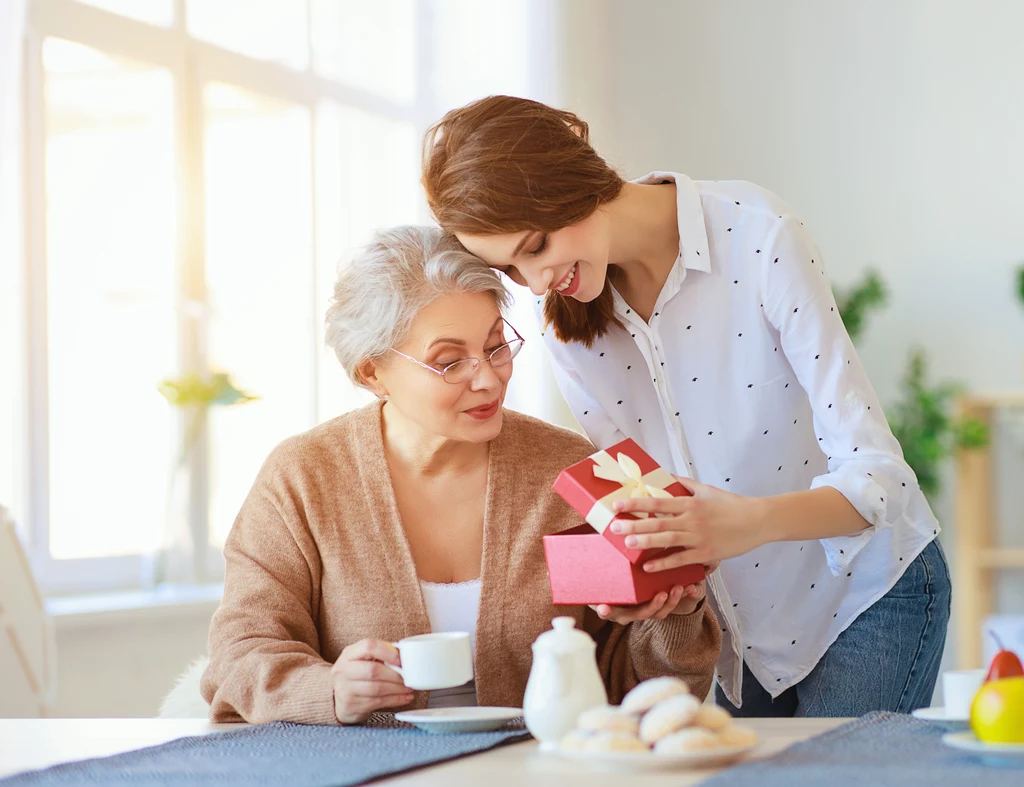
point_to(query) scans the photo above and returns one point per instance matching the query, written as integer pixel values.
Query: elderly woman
(423, 511)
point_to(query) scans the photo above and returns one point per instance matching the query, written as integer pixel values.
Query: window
(196, 171)
(109, 240)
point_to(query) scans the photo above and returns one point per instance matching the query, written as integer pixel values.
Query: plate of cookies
(659, 725)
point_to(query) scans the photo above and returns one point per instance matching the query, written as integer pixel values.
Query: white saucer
(470, 719)
(650, 761)
(935, 714)
(994, 752)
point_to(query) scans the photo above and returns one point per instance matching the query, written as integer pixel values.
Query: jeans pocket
(916, 578)
(941, 584)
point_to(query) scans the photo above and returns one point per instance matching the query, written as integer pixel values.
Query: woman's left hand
(712, 524)
(679, 601)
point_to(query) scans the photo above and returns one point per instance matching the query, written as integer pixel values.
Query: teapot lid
(563, 637)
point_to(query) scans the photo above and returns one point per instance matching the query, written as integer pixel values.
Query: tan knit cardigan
(317, 560)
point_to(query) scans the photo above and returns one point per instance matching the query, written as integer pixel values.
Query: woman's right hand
(364, 683)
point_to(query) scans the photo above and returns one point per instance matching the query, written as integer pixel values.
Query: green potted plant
(193, 395)
(921, 419)
(922, 422)
(856, 303)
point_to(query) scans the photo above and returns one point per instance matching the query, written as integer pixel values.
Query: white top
(453, 607)
(745, 379)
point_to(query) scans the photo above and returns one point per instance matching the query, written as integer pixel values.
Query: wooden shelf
(994, 399)
(1001, 558)
(978, 553)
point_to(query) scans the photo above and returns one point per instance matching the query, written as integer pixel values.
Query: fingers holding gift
(649, 525)
(681, 600)
(689, 600)
(688, 557)
(674, 597)
(625, 615)
(694, 591)
(686, 511)
(653, 505)
(663, 540)
(658, 608)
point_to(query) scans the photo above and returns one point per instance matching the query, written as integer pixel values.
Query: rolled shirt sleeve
(865, 461)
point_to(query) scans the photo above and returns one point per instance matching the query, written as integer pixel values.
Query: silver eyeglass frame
(441, 373)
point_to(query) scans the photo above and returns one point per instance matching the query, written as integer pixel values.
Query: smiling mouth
(567, 280)
(484, 411)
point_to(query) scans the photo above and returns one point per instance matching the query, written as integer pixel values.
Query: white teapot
(564, 682)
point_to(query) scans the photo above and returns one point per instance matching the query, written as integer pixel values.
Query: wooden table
(27, 744)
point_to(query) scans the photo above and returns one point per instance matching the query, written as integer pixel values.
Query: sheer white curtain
(12, 32)
(27, 663)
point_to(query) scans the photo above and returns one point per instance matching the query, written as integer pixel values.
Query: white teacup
(435, 661)
(958, 690)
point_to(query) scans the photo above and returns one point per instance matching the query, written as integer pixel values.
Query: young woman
(697, 319)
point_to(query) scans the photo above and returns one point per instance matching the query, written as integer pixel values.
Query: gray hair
(402, 270)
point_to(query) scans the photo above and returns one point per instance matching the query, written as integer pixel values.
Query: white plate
(994, 752)
(641, 761)
(935, 714)
(471, 719)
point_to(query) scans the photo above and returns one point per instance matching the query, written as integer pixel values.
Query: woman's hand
(363, 683)
(712, 524)
(679, 601)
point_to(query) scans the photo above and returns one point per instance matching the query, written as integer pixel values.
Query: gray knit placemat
(881, 750)
(279, 753)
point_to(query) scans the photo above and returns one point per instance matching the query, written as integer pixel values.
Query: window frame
(192, 64)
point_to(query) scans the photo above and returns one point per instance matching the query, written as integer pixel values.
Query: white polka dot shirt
(745, 379)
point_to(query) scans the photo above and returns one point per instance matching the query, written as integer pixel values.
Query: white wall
(894, 127)
(123, 668)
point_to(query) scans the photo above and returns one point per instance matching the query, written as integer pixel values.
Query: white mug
(958, 690)
(435, 661)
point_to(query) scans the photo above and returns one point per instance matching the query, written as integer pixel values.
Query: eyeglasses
(462, 371)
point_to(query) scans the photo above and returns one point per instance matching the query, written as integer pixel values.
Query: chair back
(28, 671)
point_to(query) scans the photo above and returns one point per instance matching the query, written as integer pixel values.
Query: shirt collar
(693, 235)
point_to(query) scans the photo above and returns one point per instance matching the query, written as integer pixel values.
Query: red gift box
(591, 565)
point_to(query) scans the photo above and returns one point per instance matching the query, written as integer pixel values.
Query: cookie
(713, 717)
(614, 742)
(649, 693)
(607, 718)
(668, 716)
(687, 740)
(576, 740)
(737, 735)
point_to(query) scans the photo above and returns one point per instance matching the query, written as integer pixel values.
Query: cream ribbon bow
(626, 472)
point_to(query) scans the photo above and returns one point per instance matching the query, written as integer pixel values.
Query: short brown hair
(504, 164)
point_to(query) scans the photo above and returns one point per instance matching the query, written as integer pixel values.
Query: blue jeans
(888, 659)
